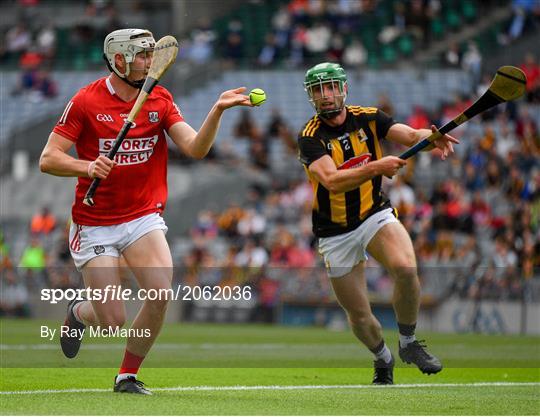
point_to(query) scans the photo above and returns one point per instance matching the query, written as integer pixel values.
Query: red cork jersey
(138, 184)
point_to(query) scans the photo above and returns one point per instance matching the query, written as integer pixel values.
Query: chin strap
(331, 114)
(135, 84)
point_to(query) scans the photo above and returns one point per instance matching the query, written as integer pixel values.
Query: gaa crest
(153, 116)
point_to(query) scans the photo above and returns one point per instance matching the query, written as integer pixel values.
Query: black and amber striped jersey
(353, 144)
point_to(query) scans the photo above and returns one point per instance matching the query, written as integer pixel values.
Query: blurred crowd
(301, 32)
(297, 32)
(474, 219)
(33, 44)
(304, 31)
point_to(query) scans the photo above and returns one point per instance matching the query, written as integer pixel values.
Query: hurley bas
(94, 331)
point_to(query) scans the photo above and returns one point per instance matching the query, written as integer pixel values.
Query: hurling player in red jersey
(126, 219)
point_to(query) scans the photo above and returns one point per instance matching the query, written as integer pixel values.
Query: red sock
(131, 363)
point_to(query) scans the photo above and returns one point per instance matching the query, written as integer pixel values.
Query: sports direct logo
(132, 151)
(357, 161)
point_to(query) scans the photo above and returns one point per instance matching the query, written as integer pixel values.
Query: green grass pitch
(209, 369)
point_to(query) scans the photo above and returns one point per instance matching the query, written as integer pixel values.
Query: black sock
(377, 348)
(381, 351)
(406, 329)
(406, 334)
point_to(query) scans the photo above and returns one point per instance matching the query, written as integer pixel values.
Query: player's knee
(360, 318)
(159, 304)
(405, 273)
(113, 320)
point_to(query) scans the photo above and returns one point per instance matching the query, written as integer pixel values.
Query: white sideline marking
(285, 387)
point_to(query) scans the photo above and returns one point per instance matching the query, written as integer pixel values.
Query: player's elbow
(45, 162)
(333, 184)
(198, 154)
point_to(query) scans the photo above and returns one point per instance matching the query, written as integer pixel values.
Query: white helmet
(128, 42)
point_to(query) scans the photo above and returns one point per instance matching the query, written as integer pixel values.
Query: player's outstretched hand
(389, 165)
(231, 98)
(100, 168)
(444, 143)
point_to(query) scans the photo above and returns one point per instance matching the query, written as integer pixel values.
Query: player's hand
(231, 98)
(100, 168)
(444, 143)
(389, 165)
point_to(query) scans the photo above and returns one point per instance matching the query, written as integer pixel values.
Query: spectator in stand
(526, 128)
(532, 70)
(506, 141)
(503, 259)
(234, 44)
(228, 220)
(318, 40)
(418, 118)
(5, 261)
(18, 40)
(472, 179)
(268, 297)
(46, 42)
(45, 85)
(417, 21)
(390, 33)
(452, 57)
(35, 80)
(252, 255)
(337, 48)
(61, 269)
(480, 211)
(401, 196)
(298, 9)
(43, 222)
(523, 13)
(246, 127)
(514, 184)
(298, 45)
(385, 104)
(206, 227)
(252, 224)
(33, 262)
(202, 42)
(14, 297)
(282, 23)
(355, 54)
(276, 124)
(269, 52)
(472, 62)
(285, 252)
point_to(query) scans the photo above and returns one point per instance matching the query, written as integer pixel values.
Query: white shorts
(88, 242)
(342, 252)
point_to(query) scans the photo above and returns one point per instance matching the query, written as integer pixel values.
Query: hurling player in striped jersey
(340, 148)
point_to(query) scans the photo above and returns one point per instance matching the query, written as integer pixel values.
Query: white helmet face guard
(128, 43)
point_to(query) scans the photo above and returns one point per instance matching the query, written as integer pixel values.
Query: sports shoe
(415, 353)
(72, 342)
(131, 385)
(383, 372)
